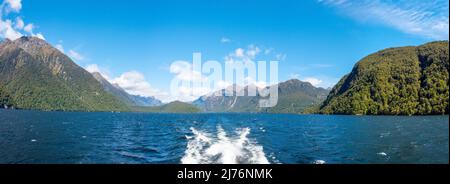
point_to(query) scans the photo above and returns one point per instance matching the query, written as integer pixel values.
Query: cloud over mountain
(15, 27)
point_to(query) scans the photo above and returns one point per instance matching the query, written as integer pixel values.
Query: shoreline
(215, 113)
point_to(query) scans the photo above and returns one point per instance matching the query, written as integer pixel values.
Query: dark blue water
(61, 137)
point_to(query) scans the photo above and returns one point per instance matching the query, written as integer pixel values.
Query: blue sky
(134, 42)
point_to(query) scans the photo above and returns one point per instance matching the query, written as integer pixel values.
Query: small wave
(132, 155)
(144, 149)
(203, 148)
(262, 129)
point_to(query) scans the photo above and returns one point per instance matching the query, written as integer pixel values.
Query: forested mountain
(396, 81)
(35, 75)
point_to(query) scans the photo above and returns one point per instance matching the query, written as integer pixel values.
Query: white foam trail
(203, 148)
(319, 162)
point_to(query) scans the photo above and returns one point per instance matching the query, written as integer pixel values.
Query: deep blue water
(63, 137)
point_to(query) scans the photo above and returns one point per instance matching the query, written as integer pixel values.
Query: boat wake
(203, 148)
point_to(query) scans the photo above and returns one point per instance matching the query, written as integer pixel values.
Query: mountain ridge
(37, 76)
(294, 96)
(410, 80)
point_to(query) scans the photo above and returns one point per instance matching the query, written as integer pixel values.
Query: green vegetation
(398, 81)
(5, 99)
(297, 97)
(173, 107)
(34, 75)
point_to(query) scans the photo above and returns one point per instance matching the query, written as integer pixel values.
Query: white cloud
(223, 84)
(281, 57)
(268, 51)
(314, 81)
(239, 52)
(75, 55)
(39, 35)
(253, 51)
(418, 17)
(60, 47)
(184, 72)
(259, 84)
(320, 81)
(135, 83)
(14, 5)
(19, 28)
(294, 76)
(94, 68)
(251, 54)
(19, 23)
(225, 40)
(7, 30)
(29, 28)
(243, 55)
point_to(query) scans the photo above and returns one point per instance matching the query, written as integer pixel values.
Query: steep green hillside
(296, 97)
(397, 81)
(5, 99)
(34, 75)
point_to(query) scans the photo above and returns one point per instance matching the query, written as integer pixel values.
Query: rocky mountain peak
(32, 45)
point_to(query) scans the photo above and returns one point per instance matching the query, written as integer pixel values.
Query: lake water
(63, 137)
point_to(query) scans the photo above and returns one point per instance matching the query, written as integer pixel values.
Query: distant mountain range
(172, 107)
(294, 96)
(396, 81)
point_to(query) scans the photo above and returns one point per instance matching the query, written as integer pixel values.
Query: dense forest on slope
(5, 99)
(295, 96)
(34, 75)
(396, 81)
